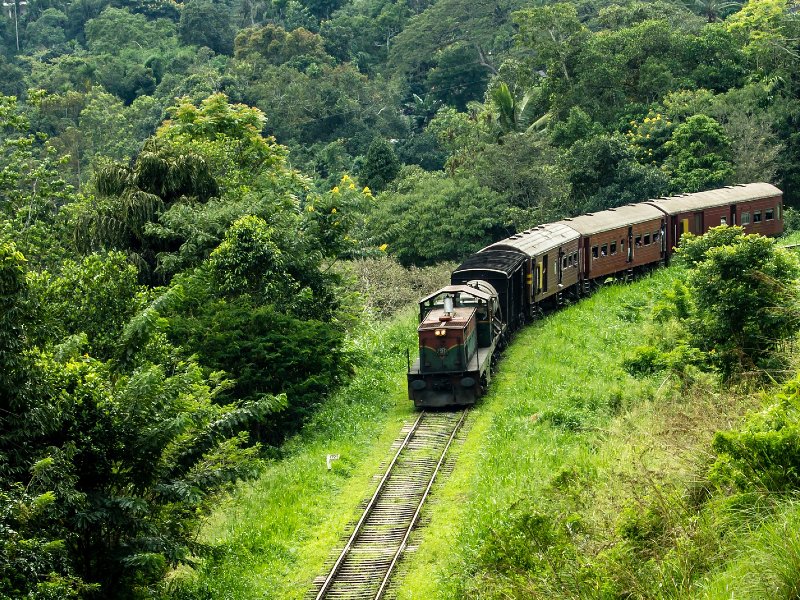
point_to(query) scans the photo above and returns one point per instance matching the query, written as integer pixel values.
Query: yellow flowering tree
(648, 136)
(333, 218)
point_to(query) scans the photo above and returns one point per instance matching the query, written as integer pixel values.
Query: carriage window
(769, 214)
(638, 240)
(575, 259)
(604, 250)
(656, 236)
(613, 247)
(564, 262)
(757, 216)
(594, 251)
(745, 218)
(723, 220)
(622, 245)
(778, 210)
(647, 239)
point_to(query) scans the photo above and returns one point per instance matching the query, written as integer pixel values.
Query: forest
(188, 189)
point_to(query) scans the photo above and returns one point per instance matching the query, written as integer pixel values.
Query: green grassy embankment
(274, 534)
(578, 480)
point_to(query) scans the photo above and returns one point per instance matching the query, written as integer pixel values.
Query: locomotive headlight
(440, 332)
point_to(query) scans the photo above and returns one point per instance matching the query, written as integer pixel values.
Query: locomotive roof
(460, 289)
(728, 195)
(613, 218)
(500, 261)
(537, 240)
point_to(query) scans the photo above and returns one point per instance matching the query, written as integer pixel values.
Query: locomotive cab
(460, 327)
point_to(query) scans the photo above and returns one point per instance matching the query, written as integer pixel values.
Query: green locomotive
(460, 329)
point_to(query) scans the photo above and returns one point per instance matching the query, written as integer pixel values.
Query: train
(464, 326)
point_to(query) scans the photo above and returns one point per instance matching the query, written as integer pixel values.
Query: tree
(511, 112)
(107, 466)
(698, 155)
(203, 169)
(32, 188)
(274, 45)
(554, 33)
(744, 290)
(767, 31)
(604, 173)
(95, 297)
(755, 148)
(48, 31)
(116, 31)
(482, 28)
(381, 165)
(430, 218)
(206, 23)
(457, 78)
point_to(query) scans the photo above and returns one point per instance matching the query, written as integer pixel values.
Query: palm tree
(515, 115)
(713, 9)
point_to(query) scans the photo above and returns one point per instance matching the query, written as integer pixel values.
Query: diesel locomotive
(497, 289)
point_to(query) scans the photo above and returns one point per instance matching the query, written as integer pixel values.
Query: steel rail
(385, 583)
(337, 565)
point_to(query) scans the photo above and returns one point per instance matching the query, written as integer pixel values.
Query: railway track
(365, 565)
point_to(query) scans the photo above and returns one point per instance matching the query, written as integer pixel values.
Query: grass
(273, 535)
(579, 480)
(789, 239)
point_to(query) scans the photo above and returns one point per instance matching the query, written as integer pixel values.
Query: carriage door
(544, 272)
(733, 214)
(562, 257)
(630, 244)
(663, 238)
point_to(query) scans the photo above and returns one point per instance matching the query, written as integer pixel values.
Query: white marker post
(330, 459)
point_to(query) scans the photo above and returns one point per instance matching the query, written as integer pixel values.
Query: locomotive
(493, 292)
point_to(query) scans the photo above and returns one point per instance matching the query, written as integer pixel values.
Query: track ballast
(365, 565)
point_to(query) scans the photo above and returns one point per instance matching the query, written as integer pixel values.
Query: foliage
(32, 186)
(205, 23)
(698, 155)
(604, 173)
(95, 297)
(380, 165)
(107, 476)
(765, 453)
(385, 287)
(744, 291)
(269, 352)
(431, 218)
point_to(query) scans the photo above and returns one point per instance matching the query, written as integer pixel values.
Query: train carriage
(552, 263)
(619, 239)
(758, 207)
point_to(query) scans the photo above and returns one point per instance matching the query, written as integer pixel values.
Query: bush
(386, 287)
(766, 453)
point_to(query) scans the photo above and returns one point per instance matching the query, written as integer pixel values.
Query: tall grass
(767, 566)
